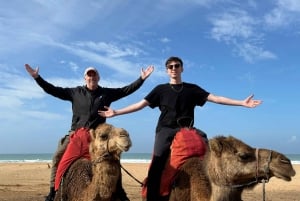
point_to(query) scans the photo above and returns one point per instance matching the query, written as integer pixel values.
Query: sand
(29, 182)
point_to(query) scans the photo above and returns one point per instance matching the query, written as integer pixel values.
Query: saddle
(78, 147)
(188, 142)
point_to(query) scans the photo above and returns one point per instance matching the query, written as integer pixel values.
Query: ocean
(125, 158)
(47, 157)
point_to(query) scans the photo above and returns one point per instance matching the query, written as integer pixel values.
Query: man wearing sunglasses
(86, 101)
(176, 100)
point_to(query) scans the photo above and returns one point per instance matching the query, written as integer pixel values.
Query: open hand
(33, 72)
(249, 102)
(146, 73)
(108, 113)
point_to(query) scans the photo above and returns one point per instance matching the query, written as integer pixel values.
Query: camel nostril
(128, 146)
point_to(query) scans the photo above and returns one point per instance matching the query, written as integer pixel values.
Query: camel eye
(244, 156)
(104, 136)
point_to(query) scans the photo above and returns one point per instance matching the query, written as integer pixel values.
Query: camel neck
(222, 193)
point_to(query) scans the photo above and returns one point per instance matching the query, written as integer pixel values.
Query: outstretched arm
(59, 92)
(129, 89)
(129, 109)
(247, 102)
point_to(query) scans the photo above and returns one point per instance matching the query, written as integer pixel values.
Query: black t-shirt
(175, 102)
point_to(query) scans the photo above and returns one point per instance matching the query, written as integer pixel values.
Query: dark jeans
(163, 140)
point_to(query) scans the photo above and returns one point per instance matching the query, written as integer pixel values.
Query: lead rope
(267, 171)
(131, 175)
(263, 181)
(264, 190)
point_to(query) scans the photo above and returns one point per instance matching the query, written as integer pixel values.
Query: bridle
(266, 173)
(104, 157)
(264, 180)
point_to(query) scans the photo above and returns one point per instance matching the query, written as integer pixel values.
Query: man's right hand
(33, 72)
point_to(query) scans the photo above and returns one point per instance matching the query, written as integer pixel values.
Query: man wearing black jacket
(86, 101)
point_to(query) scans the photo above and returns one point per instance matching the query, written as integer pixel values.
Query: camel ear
(215, 146)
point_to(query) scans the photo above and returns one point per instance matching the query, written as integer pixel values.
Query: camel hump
(187, 143)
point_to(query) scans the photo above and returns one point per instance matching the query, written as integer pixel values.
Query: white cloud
(235, 24)
(292, 139)
(9, 102)
(165, 40)
(276, 18)
(289, 5)
(111, 50)
(19, 88)
(240, 30)
(202, 3)
(43, 115)
(74, 67)
(285, 12)
(252, 52)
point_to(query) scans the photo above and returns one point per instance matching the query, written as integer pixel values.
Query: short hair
(170, 59)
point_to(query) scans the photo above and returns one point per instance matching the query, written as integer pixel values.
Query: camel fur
(96, 179)
(228, 167)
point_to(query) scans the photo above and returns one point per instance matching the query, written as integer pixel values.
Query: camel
(228, 167)
(96, 179)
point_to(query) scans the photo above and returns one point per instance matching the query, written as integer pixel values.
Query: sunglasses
(172, 66)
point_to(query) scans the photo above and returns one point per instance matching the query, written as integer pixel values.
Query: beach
(30, 182)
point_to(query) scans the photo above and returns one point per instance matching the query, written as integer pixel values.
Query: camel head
(107, 140)
(236, 164)
(280, 166)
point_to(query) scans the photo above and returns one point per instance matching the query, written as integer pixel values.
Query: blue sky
(229, 48)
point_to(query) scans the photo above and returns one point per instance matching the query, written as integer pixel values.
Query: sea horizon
(125, 158)
(47, 158)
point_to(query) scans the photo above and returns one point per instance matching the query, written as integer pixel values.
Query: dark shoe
(124, 199)
(51, 195)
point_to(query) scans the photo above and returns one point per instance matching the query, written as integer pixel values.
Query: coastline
(30, 182)
(125, 158)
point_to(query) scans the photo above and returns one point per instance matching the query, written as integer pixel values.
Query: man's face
(174, 69)
(91, 80)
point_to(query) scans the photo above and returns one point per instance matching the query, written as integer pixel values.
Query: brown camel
(228, 167)
(96, 179)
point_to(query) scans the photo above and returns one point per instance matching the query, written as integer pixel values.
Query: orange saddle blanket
(188, 142)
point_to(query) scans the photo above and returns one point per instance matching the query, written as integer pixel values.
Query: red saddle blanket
(188, 142)
(78, 147)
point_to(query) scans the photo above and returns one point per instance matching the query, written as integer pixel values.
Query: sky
(230, 48)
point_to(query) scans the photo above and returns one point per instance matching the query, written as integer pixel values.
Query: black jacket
(86, 103)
